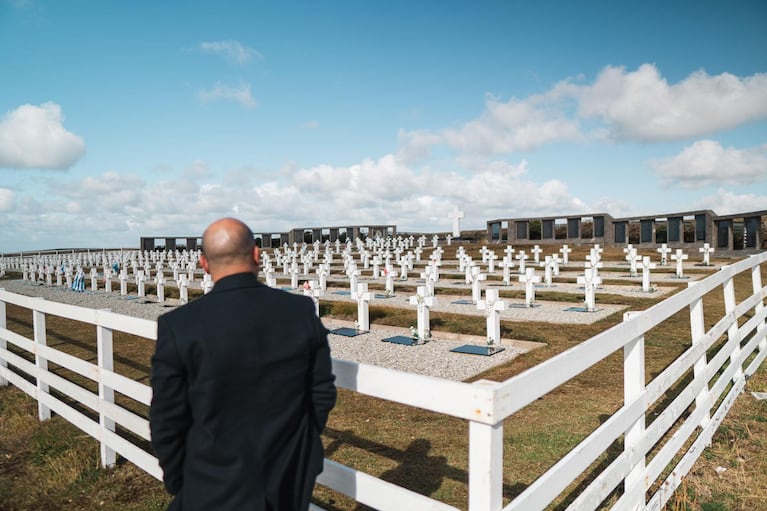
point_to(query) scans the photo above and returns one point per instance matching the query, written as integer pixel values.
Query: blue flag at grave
(79, 282)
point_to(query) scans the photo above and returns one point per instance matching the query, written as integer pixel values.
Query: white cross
(509, 251)
(565, 254)
(646, 267)
(492, 307)
(632, 257)
(94, 279)
(530, 279)
(547, 270)
(491, 258)
(536, 253)
(314, 291)
(664, 251)
(271, 279)
(207, 284)
(140, 281)
(363, 310)
(707, 250)
(390, 274)
(483, 252)
(159, 281)
(423, 302)
(679, 257)
(476, 279)
(294, 275)
(555, 265)
(456, 216)
(521, 256)
(123, 282)
(183, 290)
(590, 283)
(507, 263)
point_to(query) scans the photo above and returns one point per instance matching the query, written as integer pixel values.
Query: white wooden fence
(484, 404)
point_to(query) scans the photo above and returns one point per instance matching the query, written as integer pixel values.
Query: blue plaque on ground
(522, 306)
(378, 297)
(473, 349)
(463, 302)
(579, 309)
(401, 339)
(345, 293)
(347, 332)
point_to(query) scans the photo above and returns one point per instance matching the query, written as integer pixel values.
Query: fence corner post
(485, 465)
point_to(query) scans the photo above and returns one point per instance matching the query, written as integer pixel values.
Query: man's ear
(256, 255)
(204, 263)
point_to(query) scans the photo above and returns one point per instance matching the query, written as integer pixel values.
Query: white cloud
(516, 125)
(724, 202)
(415, 146)
(197, 169)
(706, 162)
(7, 200)
(642, 105)
(239, 94)
(619, 105)
(311, 125)
(34, 137)
(232, 51)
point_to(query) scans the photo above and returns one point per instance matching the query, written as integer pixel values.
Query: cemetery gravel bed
(432, 358)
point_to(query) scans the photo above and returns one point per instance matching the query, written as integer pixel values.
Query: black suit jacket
(242, 387)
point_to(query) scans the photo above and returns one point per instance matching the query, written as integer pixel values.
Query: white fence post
(633, 387)
(697, 332)
(485, 466)
(38, 326)
(3, 342)
(756, 279)
(733, 332)
(106, 394)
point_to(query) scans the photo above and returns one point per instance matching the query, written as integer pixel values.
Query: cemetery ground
(53, 465)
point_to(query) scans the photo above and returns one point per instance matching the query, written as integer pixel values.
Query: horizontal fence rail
(687, 423)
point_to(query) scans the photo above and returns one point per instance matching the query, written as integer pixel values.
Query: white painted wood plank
(375, 492)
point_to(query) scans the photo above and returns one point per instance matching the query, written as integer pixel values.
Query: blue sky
(128, 119)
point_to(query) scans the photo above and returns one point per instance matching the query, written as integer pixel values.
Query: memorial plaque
(345, 293)
(463, 302)
(523, 305)
(580, 309)
(473, 349)
(347, 332)
(401, 339)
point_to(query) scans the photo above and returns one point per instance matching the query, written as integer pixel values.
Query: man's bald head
(228, 247)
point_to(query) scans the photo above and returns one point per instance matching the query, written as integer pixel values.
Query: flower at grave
(307, 286)
(413, 332)
(490, 341)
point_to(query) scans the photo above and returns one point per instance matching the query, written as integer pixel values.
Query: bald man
(242, 388)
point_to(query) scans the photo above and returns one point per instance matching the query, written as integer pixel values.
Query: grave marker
(492, 306)
(646, 267)
(707, 250)
(679, 257)
(423, 302)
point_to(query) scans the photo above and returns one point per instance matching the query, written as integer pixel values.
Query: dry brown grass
(417, 449)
